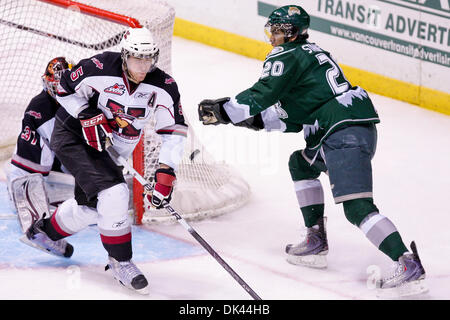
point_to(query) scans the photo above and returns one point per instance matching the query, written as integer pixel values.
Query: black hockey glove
(164, 179)
(254, 123)
(95, 128)
(212, 111)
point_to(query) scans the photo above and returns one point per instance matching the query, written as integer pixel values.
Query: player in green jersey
(303, 88)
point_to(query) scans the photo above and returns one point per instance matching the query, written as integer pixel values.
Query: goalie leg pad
(30, 199)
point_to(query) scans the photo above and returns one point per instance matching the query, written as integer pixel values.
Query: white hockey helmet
(139, 43)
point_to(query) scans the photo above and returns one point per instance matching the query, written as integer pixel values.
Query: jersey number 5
(76, 74)
(332, 74)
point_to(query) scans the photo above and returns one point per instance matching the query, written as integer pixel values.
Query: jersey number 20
(332, 74)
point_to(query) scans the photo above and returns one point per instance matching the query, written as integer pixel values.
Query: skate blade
(318, 261)
(28, 242)
(407, 289)
(143, 291)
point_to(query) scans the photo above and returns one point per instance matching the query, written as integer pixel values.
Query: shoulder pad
(107, 63)
(280, 51)
(275, 50)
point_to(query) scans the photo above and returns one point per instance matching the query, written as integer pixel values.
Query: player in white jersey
(112, 96)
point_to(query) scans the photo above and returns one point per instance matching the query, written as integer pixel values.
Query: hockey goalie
(37, 181)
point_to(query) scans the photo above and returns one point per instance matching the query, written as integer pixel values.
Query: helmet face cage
(291, 20)
(138, 43)
(288, 29)
(127, 53)
(53, 73)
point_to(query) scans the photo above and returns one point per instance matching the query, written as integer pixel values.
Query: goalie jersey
(32, 153)
(99, 82)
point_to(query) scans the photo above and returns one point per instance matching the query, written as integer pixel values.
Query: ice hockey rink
(411, 187)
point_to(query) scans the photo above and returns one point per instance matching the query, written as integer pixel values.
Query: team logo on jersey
(121, 119)
(34, 114)
(118, 89)
(169, 81)
(97, 63)
(142, 95)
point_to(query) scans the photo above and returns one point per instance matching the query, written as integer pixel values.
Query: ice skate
(407, 278)
(37, 238)
(313, 250)
(127, 274)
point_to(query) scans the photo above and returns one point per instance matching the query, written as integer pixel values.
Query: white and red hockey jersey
(99, 82)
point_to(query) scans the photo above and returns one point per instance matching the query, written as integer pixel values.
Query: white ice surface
(411, 187)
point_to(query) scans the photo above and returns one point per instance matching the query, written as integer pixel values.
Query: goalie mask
(139, 53)
(290, 20)
(53, 73)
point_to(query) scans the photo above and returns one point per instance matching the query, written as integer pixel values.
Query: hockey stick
(147, 186)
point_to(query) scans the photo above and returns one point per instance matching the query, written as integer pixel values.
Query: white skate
(313, 250)
(127, 274)
(407, 278)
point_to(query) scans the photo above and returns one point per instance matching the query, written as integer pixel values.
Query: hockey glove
(95, 128)
(254, 123)
(164, 179)
(212, 112)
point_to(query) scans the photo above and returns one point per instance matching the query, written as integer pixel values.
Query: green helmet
(292, 20)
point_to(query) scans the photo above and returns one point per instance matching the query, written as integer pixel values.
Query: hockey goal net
(34, 31)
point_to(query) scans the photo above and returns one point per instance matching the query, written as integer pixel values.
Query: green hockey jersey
(307, 90)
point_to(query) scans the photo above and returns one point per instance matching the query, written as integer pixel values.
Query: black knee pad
(356, 210)
(300, 169)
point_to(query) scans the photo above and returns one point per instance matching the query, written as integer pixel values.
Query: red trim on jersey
(56, 225)
(160, 105)
(22, 166)
(116, 240)
(125, 80)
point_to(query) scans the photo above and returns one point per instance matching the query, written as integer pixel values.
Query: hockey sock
(376, 227)
(52, 229)
(113, 221)
(393, 246)
(310, 199)
(311, 214)
(118, 247)
(383, 234)
(357, 210)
